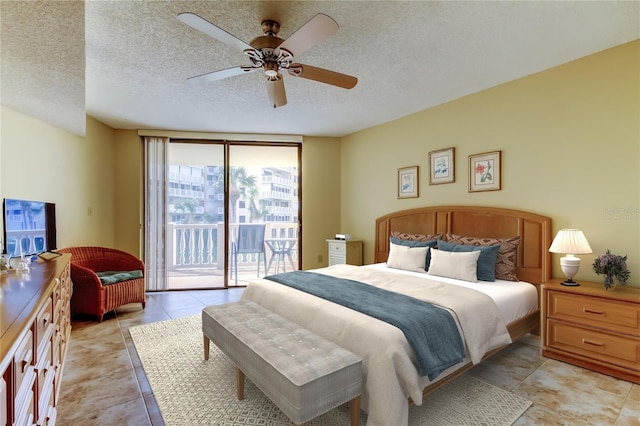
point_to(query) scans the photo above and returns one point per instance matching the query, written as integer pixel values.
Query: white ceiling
(127, 62)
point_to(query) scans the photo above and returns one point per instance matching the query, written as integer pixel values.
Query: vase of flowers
(613, 267)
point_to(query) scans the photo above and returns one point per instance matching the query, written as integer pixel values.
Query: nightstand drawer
(337, 248)
(608, 348)
(596, 312)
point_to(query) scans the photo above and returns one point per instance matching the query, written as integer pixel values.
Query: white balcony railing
(198, 246)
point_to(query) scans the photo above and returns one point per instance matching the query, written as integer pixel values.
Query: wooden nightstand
(593, 328)
(345, 251)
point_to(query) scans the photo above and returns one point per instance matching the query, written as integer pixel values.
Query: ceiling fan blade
(313, 32)
(219, 75)
(323, 76)
(212, 30)
(277, 94)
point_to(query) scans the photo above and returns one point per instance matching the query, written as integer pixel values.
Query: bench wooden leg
(354, 411)
(240, 383)
(205, 342)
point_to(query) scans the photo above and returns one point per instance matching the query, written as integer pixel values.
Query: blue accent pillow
(486, 261)
(410, 243)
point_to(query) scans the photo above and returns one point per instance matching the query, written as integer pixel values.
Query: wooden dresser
(593, 328)
(35, 325)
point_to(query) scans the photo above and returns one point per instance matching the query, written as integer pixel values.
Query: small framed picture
(484, 171)
(441, 166)
(408, 182)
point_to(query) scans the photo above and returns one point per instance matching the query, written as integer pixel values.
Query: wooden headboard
(534, 259)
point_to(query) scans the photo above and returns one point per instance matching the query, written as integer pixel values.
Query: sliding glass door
(263, 207)
(247, 191)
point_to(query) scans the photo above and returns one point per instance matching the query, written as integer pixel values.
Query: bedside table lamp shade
(570, 242)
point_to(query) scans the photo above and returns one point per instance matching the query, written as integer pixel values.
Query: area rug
(191, 391)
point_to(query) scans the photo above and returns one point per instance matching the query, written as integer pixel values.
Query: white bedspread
(515, 299)
(390, 374)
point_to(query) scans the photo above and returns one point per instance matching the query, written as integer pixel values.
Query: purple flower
(612, 265)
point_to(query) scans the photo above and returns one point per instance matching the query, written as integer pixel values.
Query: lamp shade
(570, 241)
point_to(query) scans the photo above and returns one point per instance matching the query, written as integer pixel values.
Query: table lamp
(570, 242)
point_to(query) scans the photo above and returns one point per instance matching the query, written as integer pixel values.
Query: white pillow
(407, 258)
(458, 265)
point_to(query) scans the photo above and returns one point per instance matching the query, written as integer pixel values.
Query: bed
(391, 377)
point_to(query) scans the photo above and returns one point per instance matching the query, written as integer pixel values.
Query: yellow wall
(320, 198)
(129, 203)
(320, 195)
(569, 138)
(103, 172)
(43, 162)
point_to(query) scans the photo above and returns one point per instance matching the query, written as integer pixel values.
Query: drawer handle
(591, 342)
(591, 311)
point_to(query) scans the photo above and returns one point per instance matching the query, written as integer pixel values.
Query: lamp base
(570, 282)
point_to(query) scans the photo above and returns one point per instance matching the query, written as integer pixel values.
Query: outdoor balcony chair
(249, 240)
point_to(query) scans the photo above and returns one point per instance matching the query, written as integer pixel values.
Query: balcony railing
(199, 246)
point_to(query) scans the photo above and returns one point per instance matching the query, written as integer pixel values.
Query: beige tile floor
(104, 384)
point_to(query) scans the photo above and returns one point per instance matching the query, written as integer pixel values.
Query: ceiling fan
(272, 54)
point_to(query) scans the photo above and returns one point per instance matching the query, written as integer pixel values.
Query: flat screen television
(29, 226)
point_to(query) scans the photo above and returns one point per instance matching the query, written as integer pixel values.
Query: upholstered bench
(303, 374)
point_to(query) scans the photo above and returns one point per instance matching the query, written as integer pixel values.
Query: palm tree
(240, 184)
(30, 210)
(259, 211)
(188, 205)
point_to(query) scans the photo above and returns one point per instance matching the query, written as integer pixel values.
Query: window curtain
(155, 211)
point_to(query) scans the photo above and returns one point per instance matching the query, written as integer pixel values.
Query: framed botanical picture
(484, 171)
(441, 166)
(408, 182)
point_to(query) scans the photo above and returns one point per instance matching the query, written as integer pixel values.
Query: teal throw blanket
(431, 331)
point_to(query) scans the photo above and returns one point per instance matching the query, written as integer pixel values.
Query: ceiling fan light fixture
(273, 54)
(270, 68)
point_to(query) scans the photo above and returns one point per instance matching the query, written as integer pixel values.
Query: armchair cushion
(112, 277)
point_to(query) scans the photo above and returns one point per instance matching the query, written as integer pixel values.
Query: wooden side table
(593, 328)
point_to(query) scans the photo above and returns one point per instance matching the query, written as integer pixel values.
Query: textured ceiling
(42, 62)
(408, 56)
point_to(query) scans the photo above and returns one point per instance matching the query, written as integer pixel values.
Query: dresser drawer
(608, 348)
(25, 407)
(44, 321)
(24, 400)
(23, 360)
(45, 397)
(601, 313)
(338, 248)
(57, 301)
